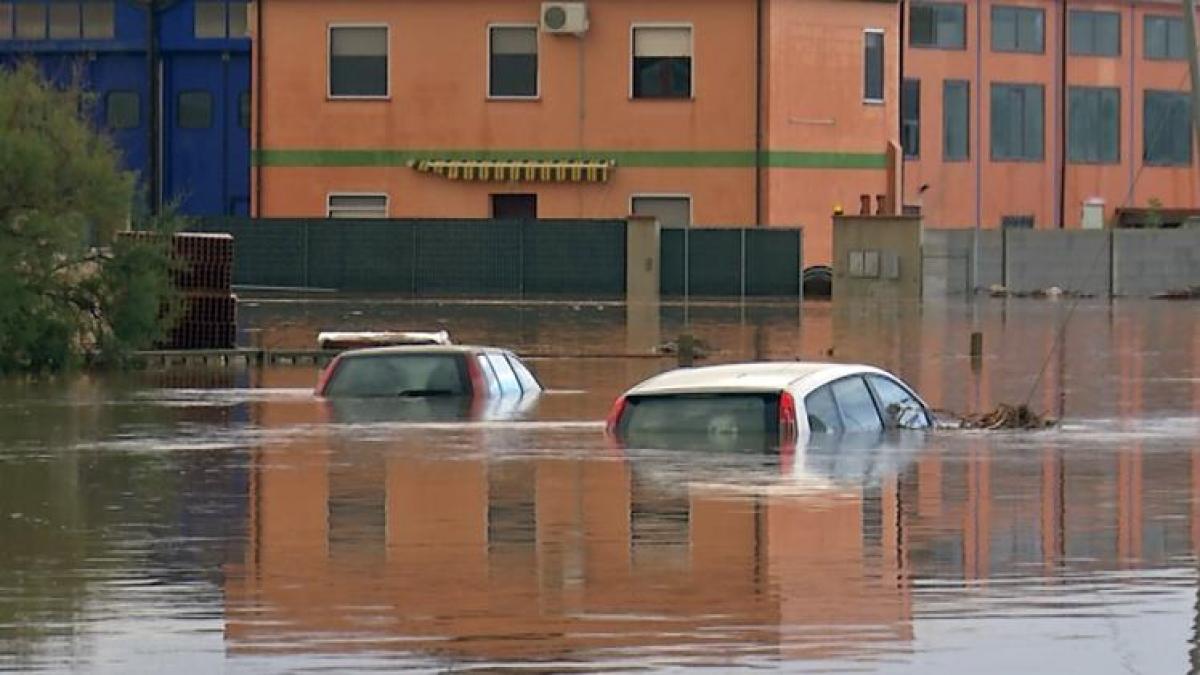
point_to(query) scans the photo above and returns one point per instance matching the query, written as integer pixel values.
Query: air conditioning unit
(564, 17)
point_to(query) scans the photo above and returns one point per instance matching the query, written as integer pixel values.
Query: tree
(69, 293)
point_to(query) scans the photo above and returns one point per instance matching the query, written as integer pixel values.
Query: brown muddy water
(224, 520)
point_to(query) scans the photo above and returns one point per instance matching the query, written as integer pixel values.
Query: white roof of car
(418, 349)
(762, 377)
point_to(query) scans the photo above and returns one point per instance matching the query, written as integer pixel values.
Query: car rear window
(399, 375)
(729, 420)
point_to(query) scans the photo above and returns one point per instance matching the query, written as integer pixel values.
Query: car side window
(489, 375)
(529, 383)
(509, 385)
(822, 412)
(857, 406)
(901, 410)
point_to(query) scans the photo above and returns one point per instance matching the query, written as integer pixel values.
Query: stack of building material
(207, 315)
(206, 309)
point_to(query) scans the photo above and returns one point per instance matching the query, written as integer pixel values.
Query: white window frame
(691, 28)
(387, 201)
(667, 195)
(882, 75)
(329, 63)
(488, 65)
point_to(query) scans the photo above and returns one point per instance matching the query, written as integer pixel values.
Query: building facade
(703, 112)
(172, 87)
(1030, 113)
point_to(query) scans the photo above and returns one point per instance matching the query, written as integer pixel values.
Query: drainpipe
(978, 87)
(1189, 23)
(1061, 100)
(758, 113)
(154, 119)
(257, 105)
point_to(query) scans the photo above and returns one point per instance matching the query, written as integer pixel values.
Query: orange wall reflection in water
(461, 576)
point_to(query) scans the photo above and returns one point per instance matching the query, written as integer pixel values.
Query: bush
(69, 292)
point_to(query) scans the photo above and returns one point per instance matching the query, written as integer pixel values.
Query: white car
(763, 405)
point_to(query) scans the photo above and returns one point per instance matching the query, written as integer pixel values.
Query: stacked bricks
(206, 316)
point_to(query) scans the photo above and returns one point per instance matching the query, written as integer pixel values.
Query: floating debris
(1051, 293)
(1191, 293)
(1004, 416)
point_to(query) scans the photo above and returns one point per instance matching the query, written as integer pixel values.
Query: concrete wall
(1151, 261)
(1071, 260)
(1109, 262)
(947, 267)
(893, 244)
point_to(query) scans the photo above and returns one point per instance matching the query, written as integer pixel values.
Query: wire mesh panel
(468, 257)
(774, 262)
(266, 252)
(573, 257)
(715, 262)
(672, 266)
(379, 256)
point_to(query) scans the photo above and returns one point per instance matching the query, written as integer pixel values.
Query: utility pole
(1189, 25)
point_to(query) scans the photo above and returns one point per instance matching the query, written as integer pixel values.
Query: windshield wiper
(426, 392)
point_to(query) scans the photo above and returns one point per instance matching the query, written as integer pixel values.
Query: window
(938, 25)
(823, 417)
(64, 21)
(220, 19)
(901, 409)
(873, 65)
(6, 20)
(513, 61)
(1093, 125)
(1018, 29)
(357, 206)
(195, 110)
(1163, 37)
(239, 25)
(672, 212)
(662, 62)
(99, 22)
(857, 406)
(31, 21)
(1017, 121)
(514, 207)
(1094, 33)
(509, 385)
(1020, 222)
(910, 118)
(529, 383)
(122, 110)
(358, 61)
(956, 120)
(244, 110)
(1167, 129)
(210, 19)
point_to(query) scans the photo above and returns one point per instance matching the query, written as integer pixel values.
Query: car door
(901, 408)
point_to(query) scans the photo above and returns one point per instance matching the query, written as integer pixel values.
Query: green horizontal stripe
(697, 159)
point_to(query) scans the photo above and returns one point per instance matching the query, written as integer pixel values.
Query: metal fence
(500, 258)
(430, 257)
(732, 262)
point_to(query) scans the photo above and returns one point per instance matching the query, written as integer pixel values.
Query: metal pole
(1189, 22)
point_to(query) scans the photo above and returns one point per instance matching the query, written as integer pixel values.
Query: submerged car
(427, 372)
(757, 406)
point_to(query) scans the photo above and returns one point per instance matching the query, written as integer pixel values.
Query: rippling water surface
(209, 520)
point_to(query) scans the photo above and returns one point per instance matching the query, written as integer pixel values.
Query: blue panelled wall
(172, 87)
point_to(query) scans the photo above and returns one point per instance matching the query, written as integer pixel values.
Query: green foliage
(68, 291)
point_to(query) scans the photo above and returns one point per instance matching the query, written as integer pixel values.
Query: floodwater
(224, 520)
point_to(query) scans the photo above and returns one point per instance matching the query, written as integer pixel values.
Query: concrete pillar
(642, 259)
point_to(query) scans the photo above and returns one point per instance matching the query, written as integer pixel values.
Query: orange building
(1021, 113)
(703, 112)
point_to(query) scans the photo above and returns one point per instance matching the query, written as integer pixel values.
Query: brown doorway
(514, 207)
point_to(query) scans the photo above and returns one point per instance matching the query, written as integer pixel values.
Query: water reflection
(230, 520)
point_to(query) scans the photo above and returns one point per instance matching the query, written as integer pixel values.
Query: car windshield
(719, 421)
(399, 375)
